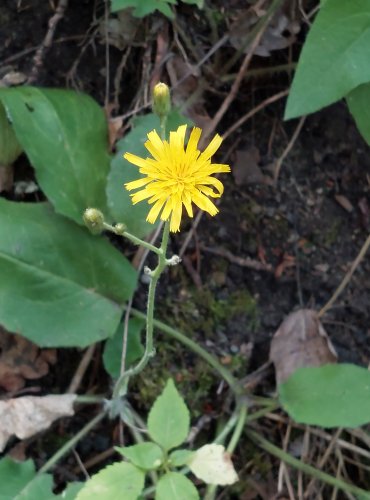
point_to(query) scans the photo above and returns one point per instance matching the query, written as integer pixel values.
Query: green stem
(121, 384)
(211, 360)
(71, 443)
(308, 469)
(132, 238)
(90, 399)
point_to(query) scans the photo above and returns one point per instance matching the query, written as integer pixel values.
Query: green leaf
(358, 103)
(147, 456)
(178, 458)
(10, 148)
(335, 395)
(65, 137)
(169, 420)
(70, 492)
(60, 286)
(198, 3)
(122, 171)
(175, 486)
(144, 7)
(120, 480)
(113, 347)
(19, 481)
(334, 59)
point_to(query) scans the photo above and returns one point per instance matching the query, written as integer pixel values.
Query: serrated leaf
(358, 103)
(175, 486)
(169, 420)
(19, 481)
(178, 458)
(147, 456)
(213, 465)
(334, 58)
(65, 137)
(113, 347)
(329, 396)
(60, 286)
(120, 480)
(119, 200)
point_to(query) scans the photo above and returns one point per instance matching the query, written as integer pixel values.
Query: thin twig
(81, 370)
(48, 40)
(346, 278)
(287, 150)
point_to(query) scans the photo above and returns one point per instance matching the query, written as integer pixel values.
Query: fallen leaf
(114, 130)
(213, 465)
(245, 168)
(28, 415)
(300, 341)
(344, 202)
(20, 359)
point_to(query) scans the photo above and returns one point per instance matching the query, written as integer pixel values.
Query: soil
(309, 229)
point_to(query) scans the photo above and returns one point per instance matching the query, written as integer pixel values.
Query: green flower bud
(161, 100)
(94, 220)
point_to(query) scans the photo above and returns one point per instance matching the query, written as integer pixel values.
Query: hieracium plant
(175, 175)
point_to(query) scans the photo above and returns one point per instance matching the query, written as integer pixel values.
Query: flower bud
(161, 100)
(120, 228)
(94, 220)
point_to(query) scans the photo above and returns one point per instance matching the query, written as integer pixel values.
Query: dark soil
(316, 219)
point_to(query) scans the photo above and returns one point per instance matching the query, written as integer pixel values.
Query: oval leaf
(60, 286)
(178, 458)
(358, 103)
(213, 465)
(169, 420)
(120, 480)
(144, 455)
(329, 396)
(65, 137)
(334, 58)
(175, 486)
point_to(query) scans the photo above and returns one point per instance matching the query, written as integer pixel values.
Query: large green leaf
(113, 347)
(169, 419)
(175, 486)
(358, 103)
(336, 395)
(64, 135)
(335, 57)
(118, 481)
(60, 286)
(122, 171)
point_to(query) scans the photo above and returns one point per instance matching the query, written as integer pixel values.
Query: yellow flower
(177, 176)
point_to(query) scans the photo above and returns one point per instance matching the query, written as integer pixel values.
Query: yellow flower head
(177, 176)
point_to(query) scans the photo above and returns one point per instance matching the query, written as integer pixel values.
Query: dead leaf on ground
(344, 202)
(119, 31)
(246, 169)
(26, 416)
(300, 341)
(20, 359)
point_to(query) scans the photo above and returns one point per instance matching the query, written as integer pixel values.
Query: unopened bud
(161, 100)
(94, 220)
(120, 228)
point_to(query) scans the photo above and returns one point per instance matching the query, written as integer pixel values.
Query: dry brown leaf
(20, 359)
(246, 169)
(344, 202)
(28, 415)
(114, 130)
(300, 341)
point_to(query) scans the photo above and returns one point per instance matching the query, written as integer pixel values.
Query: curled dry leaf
(213, 465)
(300, 341)
(20, 359)
(25, 416)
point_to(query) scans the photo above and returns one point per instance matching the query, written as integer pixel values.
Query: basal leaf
(175, 486)
(118, 481)
(144, 7)
(113, 347)
(358, 103)
(119, 200)
(329, 396)
(334, 59)
(65, 137)
(147, 456)
(169, 420)
(60, 286)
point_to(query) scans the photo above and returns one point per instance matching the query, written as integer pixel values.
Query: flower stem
(121, 384)
(132, 238)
